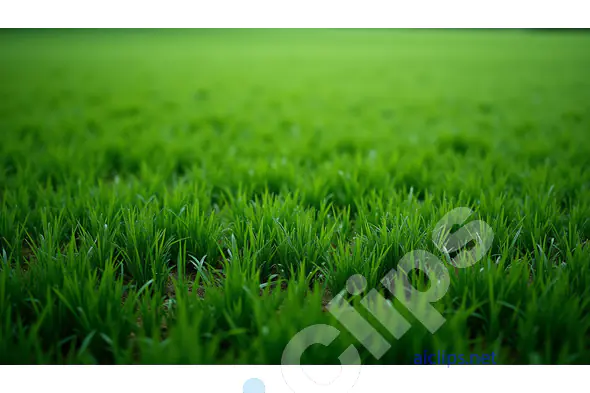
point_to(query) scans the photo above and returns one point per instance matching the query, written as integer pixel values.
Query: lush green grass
(196, 196)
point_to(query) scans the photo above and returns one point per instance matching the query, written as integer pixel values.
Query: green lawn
(198, 196)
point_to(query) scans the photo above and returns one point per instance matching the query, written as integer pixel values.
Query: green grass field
(198, 196)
